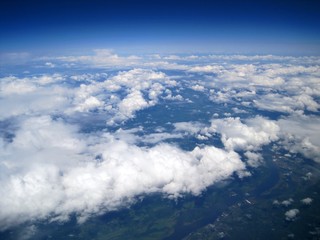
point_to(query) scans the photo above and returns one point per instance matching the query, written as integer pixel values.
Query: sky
(278, 27)
(75, 127)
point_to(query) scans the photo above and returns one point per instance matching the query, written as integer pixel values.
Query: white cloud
(287, 203)
(169, 96)
(132, 103)
(44, 94)
(50, 170)
(250, 136)
(307, 201)
(291, 214)
(254, 159)
(159, 137)
(287, 104)
(282, 86)
(300, 135)
(102, 58)
(89, 104)
(190, 127)
(32, 95)
(49, 64)
(206, 69)
(12, 85)
(39, 101)
(198, 87)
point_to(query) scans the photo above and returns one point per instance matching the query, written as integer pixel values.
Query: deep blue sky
(280, 27)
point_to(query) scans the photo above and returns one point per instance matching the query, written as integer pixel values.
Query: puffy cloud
(206, 69)
(43, 101)
(287, 202)
(50, 170)
(250, 136)
(169, 96)
(32, 95)
(283, 87)
(300, 135)
(307, 201)
(89, 104)
(18, 86)
(132, 85)
(13, 85)
(291, 214)
(120, 95)
(132, 103)
(254, 159)
(49, 64)
(198, 87)
(281, 103)
(190, 127)
(159, 137)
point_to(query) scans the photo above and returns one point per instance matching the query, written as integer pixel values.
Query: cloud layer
(50, 170)
(72, 142)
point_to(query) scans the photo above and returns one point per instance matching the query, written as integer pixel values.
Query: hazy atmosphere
(159, 119)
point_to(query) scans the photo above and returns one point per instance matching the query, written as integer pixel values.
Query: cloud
(90, 103)
(248, 136)
(287, 203)
(12, 85)
(32, 95)
(206, 69)
(284, 87)
(291, 214)
(49, 64)
(132, 103)
(190, 127)
(198, 87)
(121, 95)
(102, 58)
(300, 135)
(307, 201)
(18, 86)
(254, 159)
(125, 93)
(281, 103)
(51, 170)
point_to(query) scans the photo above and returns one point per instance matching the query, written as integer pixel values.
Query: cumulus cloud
(254, 159)
(287, 104)
(51, 170)
(89, 104)
(132, 103)
(120, 95)
(190, 127)
(206, 69)
(248, 136)
(300, 135)
(291, 214)
(198, 87)
(133, 84)
(283, 87)
(287, 202)
(307, 201)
